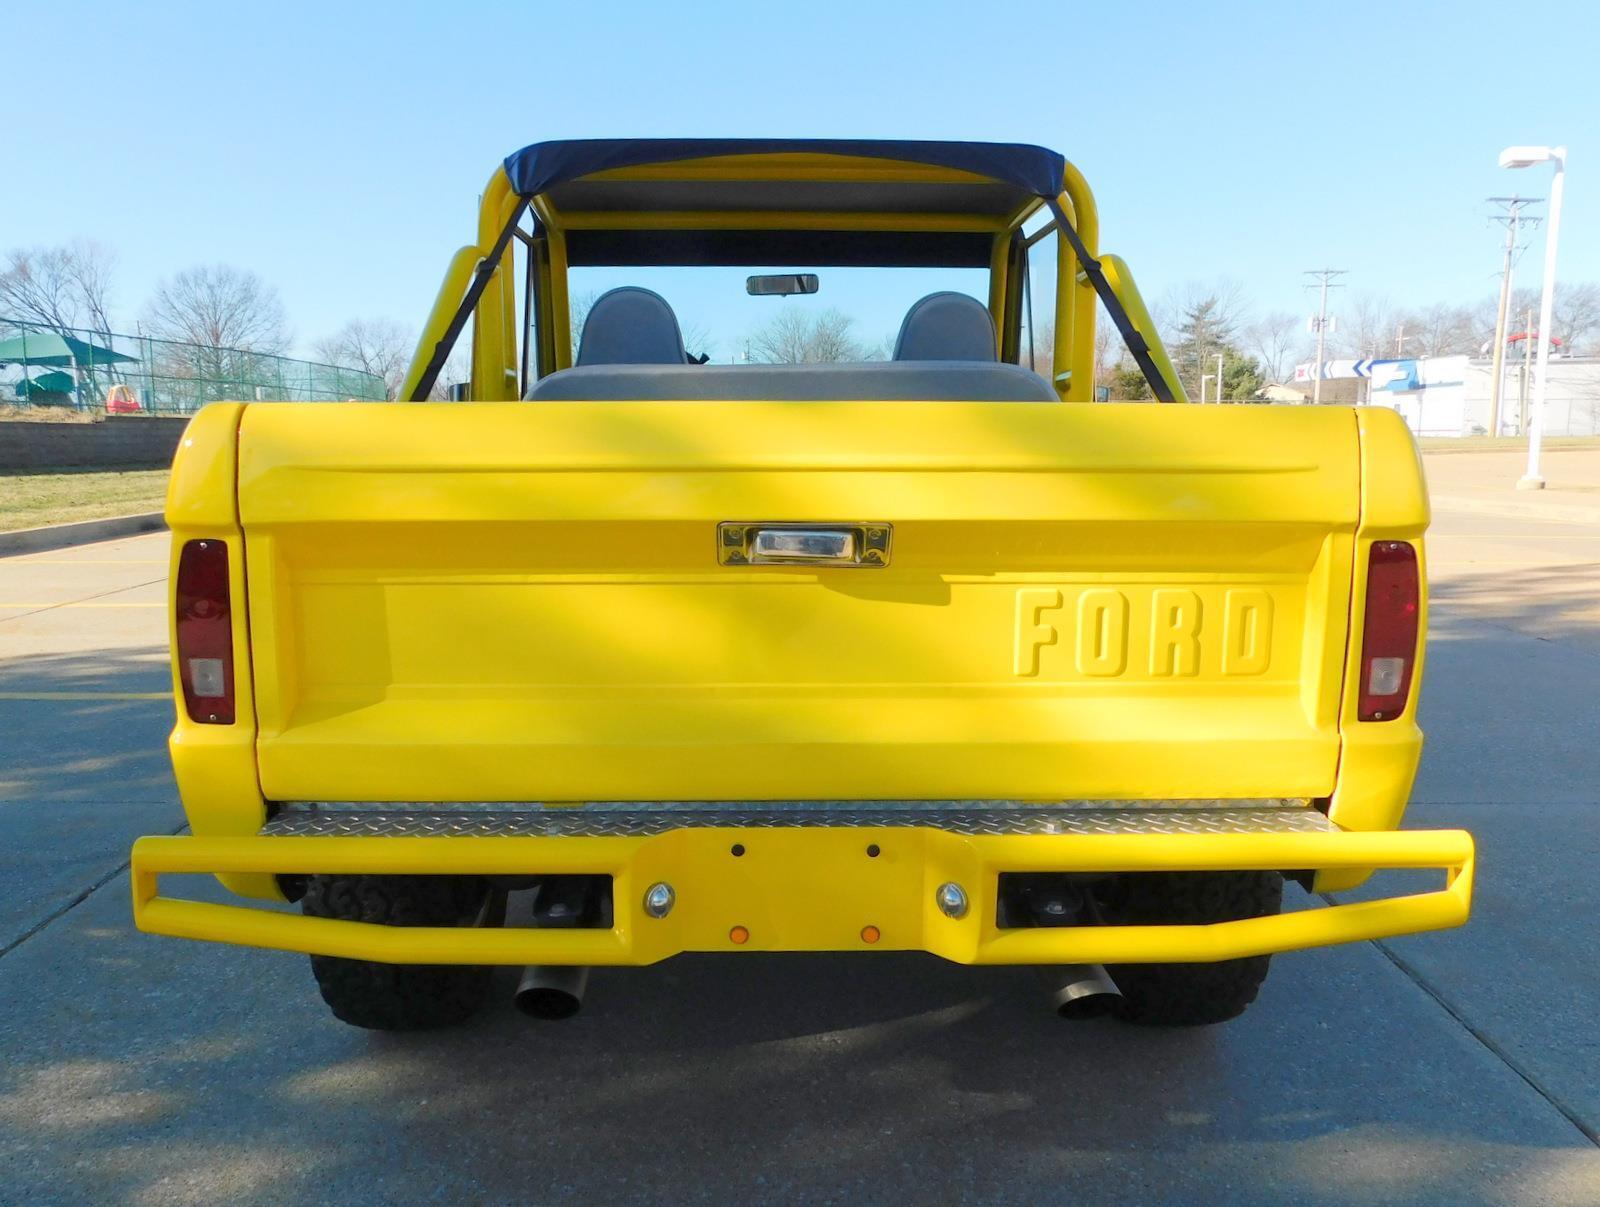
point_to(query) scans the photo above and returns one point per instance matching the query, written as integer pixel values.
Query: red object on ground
(120, 401)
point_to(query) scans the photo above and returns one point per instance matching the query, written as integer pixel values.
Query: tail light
(1389, 631)
(205, 632)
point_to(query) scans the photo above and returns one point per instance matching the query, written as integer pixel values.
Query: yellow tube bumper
(805, 889)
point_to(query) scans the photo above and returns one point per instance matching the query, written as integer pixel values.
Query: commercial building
(1450, 395)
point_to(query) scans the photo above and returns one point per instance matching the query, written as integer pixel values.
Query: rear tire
(399, 997)
(1189, 995)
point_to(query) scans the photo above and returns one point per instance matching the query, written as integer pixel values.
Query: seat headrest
(631, 326)
(947, 326)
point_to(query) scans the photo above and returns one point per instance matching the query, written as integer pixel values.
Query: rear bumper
(812, 888)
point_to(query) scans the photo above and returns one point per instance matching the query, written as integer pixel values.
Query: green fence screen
(44, 366)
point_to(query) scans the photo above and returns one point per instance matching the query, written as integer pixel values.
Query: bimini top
(543, 166)
(790, 200)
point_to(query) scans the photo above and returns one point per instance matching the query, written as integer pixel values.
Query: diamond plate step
(351, 820)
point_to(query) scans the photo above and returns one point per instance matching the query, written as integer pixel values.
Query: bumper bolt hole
(873, 851)
(737, 849)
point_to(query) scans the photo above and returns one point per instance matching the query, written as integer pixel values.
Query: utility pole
(1220, 398)
(1319, 322)
(1400, 342)
(1527, 372)
(1511, 217)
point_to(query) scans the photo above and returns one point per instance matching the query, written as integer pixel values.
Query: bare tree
(697, 340)
(1576, 315)
(62, 288)
(783, 340)
(1441, 330)
(1274, 338)
(1368, 327)
(227, 333)
(219, 307)
(796, 337)
(380, 347)
(831, 340)
(1037, 350)
(457, 369)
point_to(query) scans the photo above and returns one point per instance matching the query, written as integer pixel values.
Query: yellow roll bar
(495, 338)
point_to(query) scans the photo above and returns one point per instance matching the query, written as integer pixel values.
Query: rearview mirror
(781, 284)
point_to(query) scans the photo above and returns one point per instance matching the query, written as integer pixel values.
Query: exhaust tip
(551, 992)
(1089, 993)
(548, 1003)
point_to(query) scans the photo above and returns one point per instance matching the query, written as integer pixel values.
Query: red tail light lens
(205, 632)
(1389, 631)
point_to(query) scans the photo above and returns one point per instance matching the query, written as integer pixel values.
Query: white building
(1572, 395)
(1449, 395)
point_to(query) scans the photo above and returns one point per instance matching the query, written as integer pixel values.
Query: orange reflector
(739, 935)
(869, 934)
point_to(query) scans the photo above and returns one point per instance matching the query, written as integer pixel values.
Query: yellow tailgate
(525, 601)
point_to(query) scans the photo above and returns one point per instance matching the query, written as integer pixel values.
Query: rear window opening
(853, 315)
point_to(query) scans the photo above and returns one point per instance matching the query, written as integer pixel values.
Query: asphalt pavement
(1451, 1068)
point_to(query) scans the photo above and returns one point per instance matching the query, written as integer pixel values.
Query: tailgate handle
(769, 544)
(803, 545)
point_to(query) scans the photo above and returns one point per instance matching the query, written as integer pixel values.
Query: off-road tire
(399, 997)
(1189, 995)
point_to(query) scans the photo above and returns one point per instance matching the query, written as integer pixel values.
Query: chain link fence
(71, 370)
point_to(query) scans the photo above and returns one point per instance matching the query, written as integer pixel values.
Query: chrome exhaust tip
(1088, 993)
(551, 991)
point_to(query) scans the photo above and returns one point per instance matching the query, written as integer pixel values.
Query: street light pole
(1524, 157)
(1527, 373)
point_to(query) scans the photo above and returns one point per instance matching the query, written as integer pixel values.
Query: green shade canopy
(48, 348)
(52, 383)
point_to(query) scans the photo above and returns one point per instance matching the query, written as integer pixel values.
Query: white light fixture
(1527, 157)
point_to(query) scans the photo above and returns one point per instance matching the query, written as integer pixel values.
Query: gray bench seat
(872, 381)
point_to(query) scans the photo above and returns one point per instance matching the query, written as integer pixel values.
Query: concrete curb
(86, 532)
(1555, 513)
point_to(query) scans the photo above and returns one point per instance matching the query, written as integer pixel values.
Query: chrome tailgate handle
(769, 544)
(803, 545)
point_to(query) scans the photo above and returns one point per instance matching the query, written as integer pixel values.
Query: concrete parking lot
(1453, 1068)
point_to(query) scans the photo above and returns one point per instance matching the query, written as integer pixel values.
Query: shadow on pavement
(142, 1069)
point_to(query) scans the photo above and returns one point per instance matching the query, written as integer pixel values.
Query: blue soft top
(544, 165)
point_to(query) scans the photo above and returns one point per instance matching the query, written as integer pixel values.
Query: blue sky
(337, 148)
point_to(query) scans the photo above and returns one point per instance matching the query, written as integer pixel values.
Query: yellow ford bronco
(623, 654)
